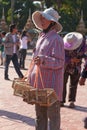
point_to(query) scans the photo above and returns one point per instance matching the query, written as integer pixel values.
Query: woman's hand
(37, 60)
(75, 60)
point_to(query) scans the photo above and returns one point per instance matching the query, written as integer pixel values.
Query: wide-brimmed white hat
(72, 40)
(49, 14)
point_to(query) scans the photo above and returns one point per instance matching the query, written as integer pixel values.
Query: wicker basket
(20, 87)
(43, 97)
(31, 95)
(16, 80)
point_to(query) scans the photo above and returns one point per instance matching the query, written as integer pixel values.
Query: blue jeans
(43, 113)
(14, 59)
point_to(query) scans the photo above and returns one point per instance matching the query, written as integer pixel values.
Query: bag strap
(38, 72)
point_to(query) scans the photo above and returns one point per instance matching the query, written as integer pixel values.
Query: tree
(22, 8)
(71, 13)
(69, 10)
(20, 11)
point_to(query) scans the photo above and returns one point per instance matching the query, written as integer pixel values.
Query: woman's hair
(11, 27)
(23, 33)
(3, 33)
(51, 25)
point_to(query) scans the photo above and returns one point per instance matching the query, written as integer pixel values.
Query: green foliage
(21, 8)
(9, 16)
(49, 4)
(69, 18)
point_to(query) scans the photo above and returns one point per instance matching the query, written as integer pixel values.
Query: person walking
(48, 56)
(75, 48)
(11, 43)
(23, 49)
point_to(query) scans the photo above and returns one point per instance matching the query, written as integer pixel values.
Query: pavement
(18, 115)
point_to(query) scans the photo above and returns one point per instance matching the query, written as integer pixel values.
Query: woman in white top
(23, 48)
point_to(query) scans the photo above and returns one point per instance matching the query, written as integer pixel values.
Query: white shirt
(24, 42)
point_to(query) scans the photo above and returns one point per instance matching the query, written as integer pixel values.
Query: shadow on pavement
(17, 117)
(77, 108)
(1, 67)
(81, 108)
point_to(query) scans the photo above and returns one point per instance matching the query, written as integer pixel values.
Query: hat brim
(76, 44)
(37, 21)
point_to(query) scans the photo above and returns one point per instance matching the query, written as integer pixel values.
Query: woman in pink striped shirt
(49, 56)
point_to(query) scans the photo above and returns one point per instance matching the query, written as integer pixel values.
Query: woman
(23, 49)
(75, 48)
(48, 56)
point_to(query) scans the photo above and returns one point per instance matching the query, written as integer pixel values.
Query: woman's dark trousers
(23, 53)
(73, 83)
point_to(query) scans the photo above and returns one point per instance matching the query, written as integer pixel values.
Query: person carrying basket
(49, 57)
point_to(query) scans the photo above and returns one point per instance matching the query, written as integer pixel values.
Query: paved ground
(18, 115)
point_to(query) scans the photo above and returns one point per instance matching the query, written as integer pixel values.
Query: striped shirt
(50, 49)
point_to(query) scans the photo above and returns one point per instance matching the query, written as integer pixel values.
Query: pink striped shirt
(50, 48)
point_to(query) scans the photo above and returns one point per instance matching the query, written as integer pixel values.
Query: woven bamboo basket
(20, 87)
(16, 80)
(32, 95)
(43, 97)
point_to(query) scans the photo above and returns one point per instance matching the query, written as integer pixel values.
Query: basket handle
(38, 72)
